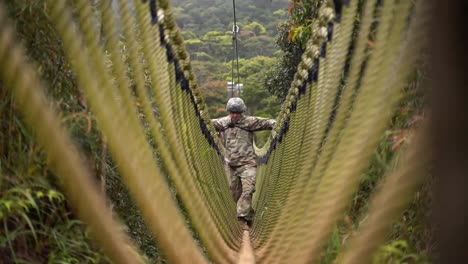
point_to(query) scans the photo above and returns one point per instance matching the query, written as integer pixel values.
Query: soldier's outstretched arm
(220, 124)
(256, 123)
(217, 125)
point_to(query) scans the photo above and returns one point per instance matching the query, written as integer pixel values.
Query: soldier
(240, 159)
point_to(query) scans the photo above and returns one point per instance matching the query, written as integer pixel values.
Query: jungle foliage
(207, 30)
(38, 225)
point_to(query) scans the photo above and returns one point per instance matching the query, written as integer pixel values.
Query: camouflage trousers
(242, 185)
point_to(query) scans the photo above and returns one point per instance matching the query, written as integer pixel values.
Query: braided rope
(157, 133)
(403, 181)
(134, 157)
(64, 158)
(367, 122)
(202, 222)
(310, 138)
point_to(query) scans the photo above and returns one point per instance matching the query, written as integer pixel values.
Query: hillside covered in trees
(207, 30)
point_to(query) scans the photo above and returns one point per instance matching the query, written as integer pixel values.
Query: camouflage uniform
(241, 165)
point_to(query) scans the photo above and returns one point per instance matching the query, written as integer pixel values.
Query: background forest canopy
(206, 26)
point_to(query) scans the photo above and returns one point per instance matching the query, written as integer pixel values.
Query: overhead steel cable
(235, 29)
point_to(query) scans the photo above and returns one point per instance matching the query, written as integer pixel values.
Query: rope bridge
(342, 98)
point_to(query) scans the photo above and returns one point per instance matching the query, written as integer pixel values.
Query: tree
(215, 94)
(292, 37)
(256, 27)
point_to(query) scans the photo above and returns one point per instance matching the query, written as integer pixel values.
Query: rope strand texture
(64, 158)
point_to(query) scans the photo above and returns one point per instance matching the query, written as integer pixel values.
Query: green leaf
(39, 194)
(28, 221)
(7, 204)
(52, 194)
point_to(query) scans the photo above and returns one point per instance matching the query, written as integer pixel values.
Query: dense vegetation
(410, 240)
(38, 225)
(207, 30)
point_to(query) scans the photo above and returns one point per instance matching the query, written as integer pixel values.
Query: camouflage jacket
(238, 137)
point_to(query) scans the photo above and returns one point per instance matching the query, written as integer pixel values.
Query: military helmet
(236, 105)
